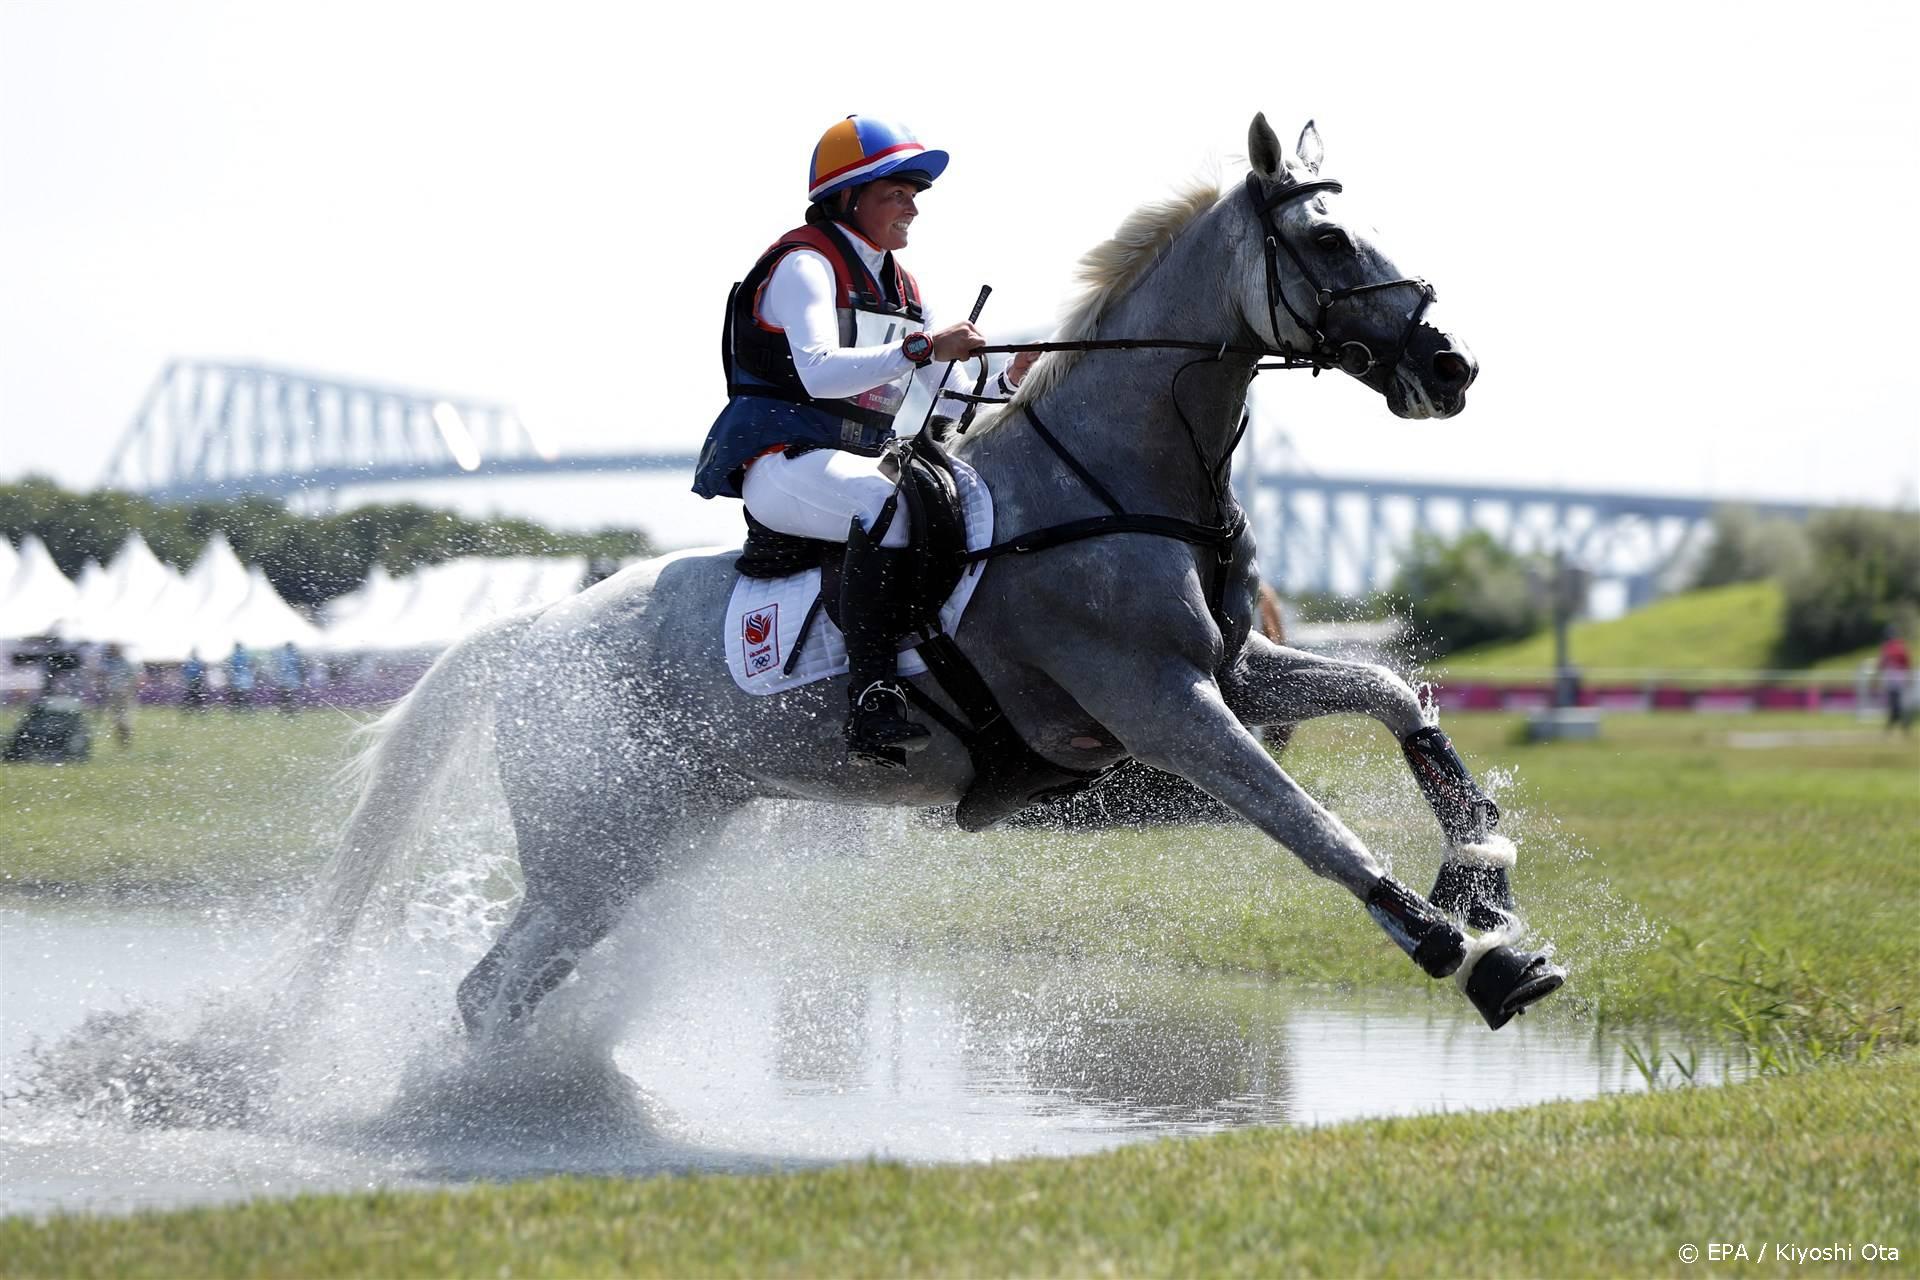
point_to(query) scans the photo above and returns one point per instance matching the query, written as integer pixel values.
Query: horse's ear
(1263, 148)
(1310, 149)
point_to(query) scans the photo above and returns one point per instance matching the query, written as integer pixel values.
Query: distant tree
(308, 559)
(1331, 606)
(1469, 591)
(1747, 547)
(1862, 574)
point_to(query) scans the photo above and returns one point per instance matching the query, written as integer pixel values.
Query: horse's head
(1317, 282)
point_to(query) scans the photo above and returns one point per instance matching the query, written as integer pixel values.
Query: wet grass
(1610, 1187)
(1768, 896)
(1765, 897)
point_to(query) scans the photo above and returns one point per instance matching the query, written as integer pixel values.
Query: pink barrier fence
(1653, 696)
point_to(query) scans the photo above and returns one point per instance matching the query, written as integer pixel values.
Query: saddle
(1007, 774)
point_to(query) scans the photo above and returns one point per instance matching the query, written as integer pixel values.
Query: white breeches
(818, 494)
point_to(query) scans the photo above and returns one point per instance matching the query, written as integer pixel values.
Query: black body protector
(872, 313)
(875, 580)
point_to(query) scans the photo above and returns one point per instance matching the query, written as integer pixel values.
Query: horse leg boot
(1500, 981)
(872, 600)
(1473, 879)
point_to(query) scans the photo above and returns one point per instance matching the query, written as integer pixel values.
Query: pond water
(736, 1059)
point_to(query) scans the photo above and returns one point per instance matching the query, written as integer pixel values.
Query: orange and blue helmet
(860, 149)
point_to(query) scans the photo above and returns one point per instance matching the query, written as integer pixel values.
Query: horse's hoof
(1504, 982)
(1480, 894)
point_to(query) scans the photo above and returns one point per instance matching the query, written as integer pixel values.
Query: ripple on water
(138, 1074)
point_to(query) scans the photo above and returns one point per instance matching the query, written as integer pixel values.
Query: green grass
(212, 798)
(1731, 628)
(1762, 896)
(1846, 664)
(1609, 1187)
(1683, 880)
(1680, 878)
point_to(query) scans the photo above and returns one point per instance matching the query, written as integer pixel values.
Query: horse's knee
(1397, 705)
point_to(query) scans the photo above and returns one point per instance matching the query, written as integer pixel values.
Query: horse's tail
(405, 760)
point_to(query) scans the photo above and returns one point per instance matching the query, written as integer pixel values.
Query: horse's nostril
(1452, 368)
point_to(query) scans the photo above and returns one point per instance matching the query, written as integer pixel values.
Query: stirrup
(878, 731)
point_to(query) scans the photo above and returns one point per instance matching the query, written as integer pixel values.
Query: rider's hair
(839, 205)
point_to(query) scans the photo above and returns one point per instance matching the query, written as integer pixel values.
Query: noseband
(1351, 356)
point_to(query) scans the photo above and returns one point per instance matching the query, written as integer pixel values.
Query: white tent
(126, 602)
(195, 615)
(436, 605)
(9, 561)
(265, 621)
(38, 596)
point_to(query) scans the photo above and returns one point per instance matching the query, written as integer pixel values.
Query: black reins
(1350, 356)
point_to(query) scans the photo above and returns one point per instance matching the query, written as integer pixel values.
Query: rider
(823, 338)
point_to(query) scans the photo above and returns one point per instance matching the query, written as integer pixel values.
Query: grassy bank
(1760, 893)
(1685, 880)
(1611, 1187)
(215, 798)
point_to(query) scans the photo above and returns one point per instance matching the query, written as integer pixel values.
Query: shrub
(1469, 592)
(1747, 548)
(1862, 575)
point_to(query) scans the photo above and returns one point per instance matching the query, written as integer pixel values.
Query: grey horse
(623, 745)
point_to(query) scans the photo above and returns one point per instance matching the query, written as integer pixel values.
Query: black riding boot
(872, 591)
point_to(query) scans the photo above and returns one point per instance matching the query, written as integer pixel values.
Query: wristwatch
(918, 348)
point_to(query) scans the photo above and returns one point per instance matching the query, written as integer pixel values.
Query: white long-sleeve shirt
(800, 298)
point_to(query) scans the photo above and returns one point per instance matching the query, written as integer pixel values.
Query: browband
(1288, 191)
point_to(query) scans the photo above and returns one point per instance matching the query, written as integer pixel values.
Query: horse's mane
(1107, 271)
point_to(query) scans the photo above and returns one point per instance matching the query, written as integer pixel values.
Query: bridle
(1351, 356)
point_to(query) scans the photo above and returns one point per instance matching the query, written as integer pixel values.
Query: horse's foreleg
(1272, 684)
(1177, 720)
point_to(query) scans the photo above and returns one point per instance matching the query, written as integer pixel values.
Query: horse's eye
(1333, 238)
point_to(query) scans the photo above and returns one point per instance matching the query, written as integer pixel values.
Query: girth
(1008, 774)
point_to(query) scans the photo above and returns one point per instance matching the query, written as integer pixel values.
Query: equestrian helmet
(860, 149)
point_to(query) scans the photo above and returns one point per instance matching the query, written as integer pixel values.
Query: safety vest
(768, 405)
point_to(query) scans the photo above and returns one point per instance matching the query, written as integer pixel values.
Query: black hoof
(1505, 982)
(1480, 895)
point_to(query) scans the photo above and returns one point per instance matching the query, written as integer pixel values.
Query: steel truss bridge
(210, 430)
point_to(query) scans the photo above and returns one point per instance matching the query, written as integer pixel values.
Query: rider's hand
(1022, 363)
(957, 342)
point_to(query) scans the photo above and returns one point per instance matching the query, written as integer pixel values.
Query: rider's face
(884, 211)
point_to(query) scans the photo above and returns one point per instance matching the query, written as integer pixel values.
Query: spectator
(240, 678)
(119, 681)
(1895, 669)
(289, 673)
(194, 673)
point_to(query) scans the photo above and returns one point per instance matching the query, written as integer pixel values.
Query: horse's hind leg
(598, 813)
(1272, 684)
(580, 880)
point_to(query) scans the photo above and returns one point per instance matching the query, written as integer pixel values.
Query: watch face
(918, 346)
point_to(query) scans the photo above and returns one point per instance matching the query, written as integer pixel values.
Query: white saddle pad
(764, 615)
